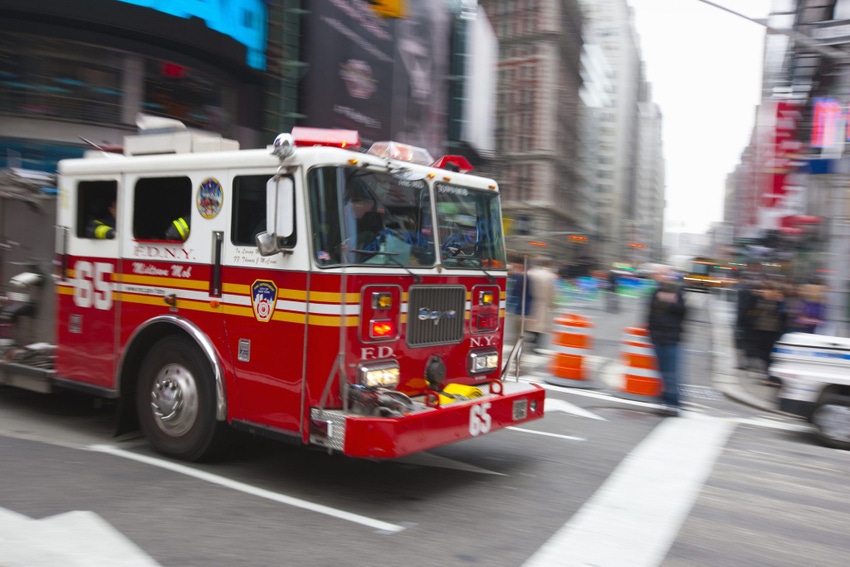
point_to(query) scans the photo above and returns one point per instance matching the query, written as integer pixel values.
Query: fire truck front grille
(435, 315)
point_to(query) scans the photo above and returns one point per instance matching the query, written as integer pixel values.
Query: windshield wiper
(390, 256)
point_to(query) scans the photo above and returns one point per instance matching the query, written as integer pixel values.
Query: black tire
(831, 418)
(176, 401)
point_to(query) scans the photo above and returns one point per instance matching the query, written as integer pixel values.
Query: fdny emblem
(263, 299)
(210, 197)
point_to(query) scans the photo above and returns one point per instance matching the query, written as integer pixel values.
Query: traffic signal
(636, 245)
(577, 238)
(389, 8)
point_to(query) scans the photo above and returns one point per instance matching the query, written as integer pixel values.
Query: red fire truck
(347, 299)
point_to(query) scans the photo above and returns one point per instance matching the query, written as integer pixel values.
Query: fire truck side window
(93, 202)
(157, 202)
(249, 209)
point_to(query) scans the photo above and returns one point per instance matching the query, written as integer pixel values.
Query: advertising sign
(383, 77)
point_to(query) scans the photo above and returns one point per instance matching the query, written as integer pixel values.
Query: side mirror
(280, 211)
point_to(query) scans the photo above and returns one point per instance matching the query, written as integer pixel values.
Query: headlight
(379, 374)
(482, 361)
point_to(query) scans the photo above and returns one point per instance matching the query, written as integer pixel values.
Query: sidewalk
(742, 386)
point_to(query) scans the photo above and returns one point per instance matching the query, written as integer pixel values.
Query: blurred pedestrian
(743, 327)
(612, 304)
(810, 311)
(543, 281)
(767, 320)
(517, 282)
(666, 319)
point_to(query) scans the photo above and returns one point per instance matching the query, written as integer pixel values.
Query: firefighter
(178, 229)
(103, 227)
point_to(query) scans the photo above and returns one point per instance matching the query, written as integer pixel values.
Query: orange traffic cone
(571, 341)
(641, 378)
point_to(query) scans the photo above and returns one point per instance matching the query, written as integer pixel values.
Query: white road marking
(547, 434)
(634, 517)
(776, 424)
(72, 539)
(379, 525)
(554, 404)
(598, 396)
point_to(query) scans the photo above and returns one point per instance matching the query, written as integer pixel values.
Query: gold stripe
(331, 320)
(288, 317)
(182, 303)
(163, 281)
(333, 297)
(239, 289)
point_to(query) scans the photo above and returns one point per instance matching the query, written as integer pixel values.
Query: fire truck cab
(315, 292)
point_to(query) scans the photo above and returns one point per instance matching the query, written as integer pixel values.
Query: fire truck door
(264, 316)
(87, 303)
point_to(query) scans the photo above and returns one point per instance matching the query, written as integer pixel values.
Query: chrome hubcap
(834, 421)
(174, 399)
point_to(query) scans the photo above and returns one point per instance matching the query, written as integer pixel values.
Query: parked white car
(815, 375)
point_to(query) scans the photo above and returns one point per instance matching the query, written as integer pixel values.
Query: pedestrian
(517, 282)
(811, 311)
(543, 281)
(767, 322)
(666, 318)
(743, 331)
(612, 304)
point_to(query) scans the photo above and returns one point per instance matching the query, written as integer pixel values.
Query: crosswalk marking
(72, 539)
(635, 515)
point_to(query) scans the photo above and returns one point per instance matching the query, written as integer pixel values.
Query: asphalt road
(601, 480)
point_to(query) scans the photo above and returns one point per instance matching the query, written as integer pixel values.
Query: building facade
(537, 121)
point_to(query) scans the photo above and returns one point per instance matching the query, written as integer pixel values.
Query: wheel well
(128, 375)
(837, 389)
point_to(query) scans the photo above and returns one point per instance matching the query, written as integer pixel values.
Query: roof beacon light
(454, 163)
(403, 152)
(325, 137)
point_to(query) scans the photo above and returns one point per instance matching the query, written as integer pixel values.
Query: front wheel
(176, 401)
(831, 418)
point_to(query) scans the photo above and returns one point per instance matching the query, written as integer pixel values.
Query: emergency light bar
(402, 152)
(325, 137)
(456, 163)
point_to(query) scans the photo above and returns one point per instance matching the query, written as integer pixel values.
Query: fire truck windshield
(470, 227)
(375, 218)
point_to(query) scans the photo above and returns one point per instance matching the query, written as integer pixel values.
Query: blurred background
(551, 98)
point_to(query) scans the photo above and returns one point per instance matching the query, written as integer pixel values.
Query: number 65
(479, 419)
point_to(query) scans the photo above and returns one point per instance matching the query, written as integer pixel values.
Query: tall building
(537, 120)
(649, 187)
(610, 25)
(594, 168)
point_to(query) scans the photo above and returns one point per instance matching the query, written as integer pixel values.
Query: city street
(602, 480)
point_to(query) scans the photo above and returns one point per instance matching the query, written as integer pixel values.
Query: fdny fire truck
(345, 299)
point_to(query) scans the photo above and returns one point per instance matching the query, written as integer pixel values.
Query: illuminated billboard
(243, 20)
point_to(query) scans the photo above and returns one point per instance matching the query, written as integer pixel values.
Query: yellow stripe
(182, 303)
(288, 317)
(163, 281)
(333, 297)
(331, 320)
